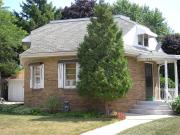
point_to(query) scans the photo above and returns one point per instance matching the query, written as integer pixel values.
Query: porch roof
(143, 54)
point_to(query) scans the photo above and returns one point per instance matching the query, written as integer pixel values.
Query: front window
(37, 76)
(143, 40)
(68, 74)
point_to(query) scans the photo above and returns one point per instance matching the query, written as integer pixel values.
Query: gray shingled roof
(65, 35)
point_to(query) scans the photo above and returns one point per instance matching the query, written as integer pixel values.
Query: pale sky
(169, 8)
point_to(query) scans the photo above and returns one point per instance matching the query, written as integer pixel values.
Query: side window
(146, 40)
(37, 76)
(143, 40)
(140, 40)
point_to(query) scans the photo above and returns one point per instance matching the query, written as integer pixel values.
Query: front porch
(165, 93)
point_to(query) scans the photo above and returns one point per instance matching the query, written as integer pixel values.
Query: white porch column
(176, 78)
(166, 79)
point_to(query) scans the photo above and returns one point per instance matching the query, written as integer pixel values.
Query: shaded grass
(167, 126)
(58, 124)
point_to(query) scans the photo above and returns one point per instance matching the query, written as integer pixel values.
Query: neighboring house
(51, 65)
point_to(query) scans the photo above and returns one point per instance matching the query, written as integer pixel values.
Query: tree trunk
(107, 108)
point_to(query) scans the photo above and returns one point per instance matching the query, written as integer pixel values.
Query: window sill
(141, 46)
(68, 89)
(37, 89)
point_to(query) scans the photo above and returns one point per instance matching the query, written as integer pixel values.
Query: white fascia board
(26, 39)
(159, 57)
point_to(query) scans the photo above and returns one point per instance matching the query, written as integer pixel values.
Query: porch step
(151, 108)
(151, 103)
(151, 112)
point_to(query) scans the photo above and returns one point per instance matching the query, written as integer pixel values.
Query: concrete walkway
(131, 121)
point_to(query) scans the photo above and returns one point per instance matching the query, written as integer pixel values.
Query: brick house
(51, 65)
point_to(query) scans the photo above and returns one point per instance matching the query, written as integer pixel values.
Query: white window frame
(33, 84)
(143, 45)
(62, 75)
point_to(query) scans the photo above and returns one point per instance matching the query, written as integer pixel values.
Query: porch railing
(170, 94)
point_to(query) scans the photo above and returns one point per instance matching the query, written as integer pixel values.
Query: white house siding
(16, 90)
(130, 38)
(152, 43)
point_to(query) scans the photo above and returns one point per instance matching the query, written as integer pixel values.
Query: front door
(149, 81)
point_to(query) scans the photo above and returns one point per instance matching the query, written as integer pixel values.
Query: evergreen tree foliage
(10, 43)
(143, 15)
(104, 72)
(35, 13)
(79, 9)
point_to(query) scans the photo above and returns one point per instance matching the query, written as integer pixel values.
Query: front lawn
(168, 126)
(49, 125)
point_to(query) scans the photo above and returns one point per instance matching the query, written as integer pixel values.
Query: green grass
(58, 124)
(168, 126)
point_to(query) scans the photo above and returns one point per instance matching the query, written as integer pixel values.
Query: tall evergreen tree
(10, 43)
(103, 67)
(35, 13)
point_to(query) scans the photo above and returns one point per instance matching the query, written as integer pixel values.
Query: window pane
(145, 40)
(37, 80)
(140, 39)
(36, 76)
(70, 74)
(70, 71)
(37, 70)
(70, 83)
(70, 65)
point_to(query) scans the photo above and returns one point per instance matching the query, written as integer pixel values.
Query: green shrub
(53, 104)
(176, 105)
(171, 83)
(26, 110)
(20, 109)
(7, 108)
(85, 115)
